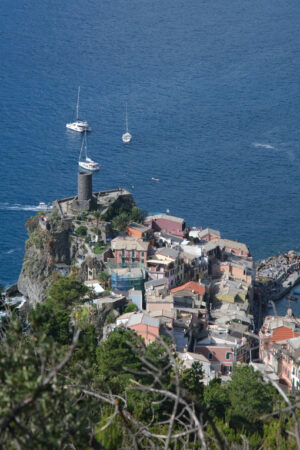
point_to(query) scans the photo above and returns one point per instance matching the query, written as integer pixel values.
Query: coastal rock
(13, 291)
(63, 241)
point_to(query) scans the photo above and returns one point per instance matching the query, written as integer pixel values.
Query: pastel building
(222, 351)
(236, 268)
(166, 263)
(138, 230)
(165, 222)
(217, 247)
(209, 235)
(129, 249)
(276, 350)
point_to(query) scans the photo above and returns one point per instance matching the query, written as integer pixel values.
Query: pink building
(159, 303)
(234, 270)
(274, 351)
(164, 222)
(208, 235)
(220, 357)
(222, 351)
(130, 249)
(217, 247)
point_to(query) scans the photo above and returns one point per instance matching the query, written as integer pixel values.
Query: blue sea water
(214, 109)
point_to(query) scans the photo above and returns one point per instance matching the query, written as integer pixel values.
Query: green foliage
(191, 380)
(99, 249)
(32, 223)
(216, 399)
(121, 213)
(103, 277)
(66, 292)
(121, 221)
(36, 413)
(112, 436)
(110, 318)
(131, 308)
(39, 238)
(81, 231)
(105, 293)
(249, 396)
(136, 214)
(54, 218)
(82, 217)
(53, 316)
(61, 414)
(115, 357)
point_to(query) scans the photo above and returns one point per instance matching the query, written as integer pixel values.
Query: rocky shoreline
(275, 277)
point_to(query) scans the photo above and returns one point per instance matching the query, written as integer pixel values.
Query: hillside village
(189, 284)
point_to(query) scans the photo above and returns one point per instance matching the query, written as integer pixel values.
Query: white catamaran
(87, 163)
(78, 125)
(126, 137)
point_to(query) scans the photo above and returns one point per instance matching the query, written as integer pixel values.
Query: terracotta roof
(282, 333)
(190, 286)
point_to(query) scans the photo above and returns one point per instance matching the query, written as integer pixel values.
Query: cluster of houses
(188, 284)
(279, 350)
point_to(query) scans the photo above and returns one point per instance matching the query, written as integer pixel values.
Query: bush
(32, 224)
(99, 249)
(131, 308)
(81, 231)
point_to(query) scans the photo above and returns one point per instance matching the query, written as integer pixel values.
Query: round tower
(85, 189)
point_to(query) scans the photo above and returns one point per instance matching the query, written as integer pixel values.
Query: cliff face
(48, 244)
(70, 243)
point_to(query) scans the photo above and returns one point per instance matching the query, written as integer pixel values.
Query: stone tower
(85, 200)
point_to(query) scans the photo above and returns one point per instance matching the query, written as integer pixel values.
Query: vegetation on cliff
(121, 213)
(62, 387)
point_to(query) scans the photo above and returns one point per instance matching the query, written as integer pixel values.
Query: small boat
(78, 125)
(126, 137)
(296, 292)
(292, 298)
(42, 206)
(87, 163)
(155, 179)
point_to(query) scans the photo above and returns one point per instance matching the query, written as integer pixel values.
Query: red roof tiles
(190, 286)
(282, 333)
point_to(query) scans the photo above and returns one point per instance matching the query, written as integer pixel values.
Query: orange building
(138, 230)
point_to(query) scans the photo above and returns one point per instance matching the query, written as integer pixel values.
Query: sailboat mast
(85, 145)
(82, 145)
(77, 106)
(126, 120)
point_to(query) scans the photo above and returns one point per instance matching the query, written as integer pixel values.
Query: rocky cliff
(60, 243)
(48, 244)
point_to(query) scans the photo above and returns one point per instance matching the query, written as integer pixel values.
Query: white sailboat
(78, 125)
(86, 163)
(126, 137)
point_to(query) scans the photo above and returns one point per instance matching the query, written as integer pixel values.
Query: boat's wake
(257, 145)
(288, 153)
(18, 207)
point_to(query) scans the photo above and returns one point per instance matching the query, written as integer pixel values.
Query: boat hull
(126, 138)
(89, 166)
(78, 127)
